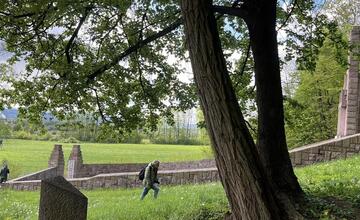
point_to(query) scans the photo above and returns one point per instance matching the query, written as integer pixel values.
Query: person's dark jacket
(150, 175)
(4, 174)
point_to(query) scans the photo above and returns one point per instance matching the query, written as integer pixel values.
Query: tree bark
(250, 194)
(271, 140)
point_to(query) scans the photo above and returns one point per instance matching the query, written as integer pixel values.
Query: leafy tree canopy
(111, 58)
(311, 113)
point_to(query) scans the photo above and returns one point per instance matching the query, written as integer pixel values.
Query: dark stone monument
(60, 200)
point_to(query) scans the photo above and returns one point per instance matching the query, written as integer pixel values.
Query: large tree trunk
(250, 194)
(271, 133)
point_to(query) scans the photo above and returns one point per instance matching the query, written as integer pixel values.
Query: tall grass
(336, 178)
(201, 202)
(339, 179)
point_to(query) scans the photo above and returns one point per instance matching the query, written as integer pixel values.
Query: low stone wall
(88, 170)
(30, 185)
(55, 167)
(129, 180)
(78, 169)
(40, 175)
(326, 150)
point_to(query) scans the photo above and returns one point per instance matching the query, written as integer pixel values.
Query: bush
(182, 141)
(145, 141)
(5, 131)
(132, 139)
(22, 135)
(43, 137)
(55, 138)
(71, 140)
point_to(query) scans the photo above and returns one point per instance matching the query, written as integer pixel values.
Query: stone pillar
(57, 159)
(60, 200)
(349, 110)
(75, 162)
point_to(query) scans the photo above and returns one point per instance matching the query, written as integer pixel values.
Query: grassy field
(26, 156)
(333, 189)
(176, 203)
(338, 180)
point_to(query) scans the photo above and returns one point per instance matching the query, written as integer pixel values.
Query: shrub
(22, 135)
(182, 141)
(71, 140)
(43, 137)
(55, 138)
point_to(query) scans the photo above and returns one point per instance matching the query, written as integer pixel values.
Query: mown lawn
(339, 179)
(333, 189)
(24, 156)
(176, 203)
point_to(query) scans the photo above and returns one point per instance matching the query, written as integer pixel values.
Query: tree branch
(231, 11)
(249, 126)
(157, 35)
(245, 62)
(103, 117)
(29, 14)
(74, 35)
(134, 48)
(288, 15)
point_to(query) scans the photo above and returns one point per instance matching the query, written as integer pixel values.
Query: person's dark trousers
(147, 188)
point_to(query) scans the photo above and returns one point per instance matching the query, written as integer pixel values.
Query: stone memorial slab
(59, 200)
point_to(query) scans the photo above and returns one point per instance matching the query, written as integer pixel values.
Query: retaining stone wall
(40, 175)
(349, 109)
(55, 167)
(129, 180)
(88, 170)
(325, 151)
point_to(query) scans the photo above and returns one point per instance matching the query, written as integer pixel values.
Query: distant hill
(12, 114)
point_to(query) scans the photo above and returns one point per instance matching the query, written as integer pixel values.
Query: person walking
(4, 173)
(150, 179)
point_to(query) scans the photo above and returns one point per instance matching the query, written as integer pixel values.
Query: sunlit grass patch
(26, 156)
(337, 178)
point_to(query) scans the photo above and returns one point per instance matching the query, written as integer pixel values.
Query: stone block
(165, 179)
(177, 178)
(337, 149)
(312, 157)
(297, 158)
(186, 177)
(352, 99)
(349, 154)
(292, 156)
(353, 140)
(327, 156)
(351, 124)
(335, 155)
(196, 179)
(346, 142)
(320, 157)
(214, 175)
(304, 156)
(108, 183)
(352, 114)
(357, 148)
(306, 162)
(59, 200)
